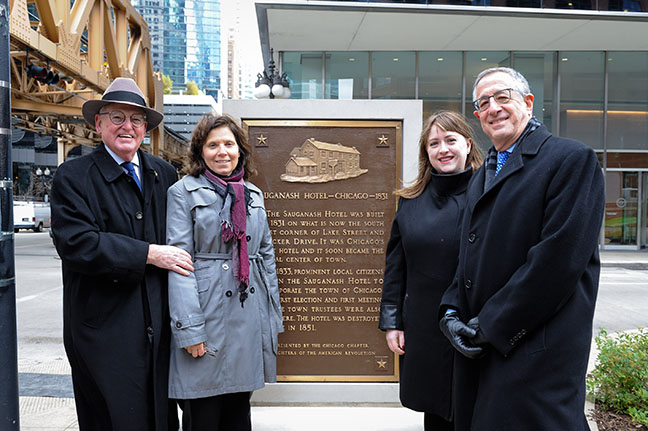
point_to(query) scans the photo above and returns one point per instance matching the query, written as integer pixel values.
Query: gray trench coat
(205, 305)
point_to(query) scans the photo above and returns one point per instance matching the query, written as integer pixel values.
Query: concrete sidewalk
(47, 404)
(628, 259)
(47, 413)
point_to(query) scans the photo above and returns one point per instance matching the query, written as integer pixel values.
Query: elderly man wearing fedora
(108, 222)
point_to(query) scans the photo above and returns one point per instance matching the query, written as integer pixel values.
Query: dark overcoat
(115, 306)
(529, 269)
(421, 261)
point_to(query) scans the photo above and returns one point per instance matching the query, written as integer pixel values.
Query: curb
(626, 265)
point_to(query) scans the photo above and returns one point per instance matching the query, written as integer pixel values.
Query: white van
(31, 215)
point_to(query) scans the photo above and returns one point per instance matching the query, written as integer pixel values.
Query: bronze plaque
(328, 193)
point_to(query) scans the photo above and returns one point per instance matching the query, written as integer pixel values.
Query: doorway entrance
(625, 209)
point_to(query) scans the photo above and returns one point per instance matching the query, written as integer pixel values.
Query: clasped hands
(467, 339)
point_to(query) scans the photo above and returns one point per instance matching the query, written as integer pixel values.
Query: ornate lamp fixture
(272, 85)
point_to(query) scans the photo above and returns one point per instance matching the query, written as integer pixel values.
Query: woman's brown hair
(195, 164)
(450, 122)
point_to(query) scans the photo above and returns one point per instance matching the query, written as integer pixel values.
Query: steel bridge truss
(87, 43)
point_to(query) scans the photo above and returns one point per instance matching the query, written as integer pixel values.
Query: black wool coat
(529, 269)
(421, 260)
(115, 306)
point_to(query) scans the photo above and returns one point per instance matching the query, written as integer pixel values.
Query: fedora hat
(126, 91)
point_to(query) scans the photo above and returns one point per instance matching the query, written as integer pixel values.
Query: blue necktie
(131, 171)
(501, 159)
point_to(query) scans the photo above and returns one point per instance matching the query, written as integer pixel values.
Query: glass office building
(185, 41)
(596, 95)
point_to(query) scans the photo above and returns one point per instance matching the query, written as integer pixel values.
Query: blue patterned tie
(501, 159)
(131, 171)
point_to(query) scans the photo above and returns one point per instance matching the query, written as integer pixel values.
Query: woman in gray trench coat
(226, 315)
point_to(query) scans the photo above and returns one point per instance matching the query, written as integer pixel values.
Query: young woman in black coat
(421, 259)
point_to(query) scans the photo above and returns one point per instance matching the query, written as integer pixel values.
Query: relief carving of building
(319, 162)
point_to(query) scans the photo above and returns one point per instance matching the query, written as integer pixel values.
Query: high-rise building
(233, 69)
(185, 41)
(247, 80)
(153, 13)
(241, 51)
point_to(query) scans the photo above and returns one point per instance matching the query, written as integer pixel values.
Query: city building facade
(586, 62)
(182, 112)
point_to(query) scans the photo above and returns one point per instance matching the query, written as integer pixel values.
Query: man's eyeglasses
(118, 118)
(502, 97)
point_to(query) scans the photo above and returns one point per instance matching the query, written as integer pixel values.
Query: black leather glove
(459, 335)
(479, 339)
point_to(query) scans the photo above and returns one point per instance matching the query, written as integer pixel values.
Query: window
(304, 70)
(393, 75)
(440, 81)
(627, 115)
(347, 75)
(581, 96)
(538, 68)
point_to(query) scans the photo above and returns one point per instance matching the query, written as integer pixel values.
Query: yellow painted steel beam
(43, 107)
(121, 36)
(96, 34)
(47, 13)
(135, 54)
(79, 17)
(62, 13)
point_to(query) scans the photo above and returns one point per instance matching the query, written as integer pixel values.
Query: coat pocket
(109, 301)
(203, 272)
(536, 342)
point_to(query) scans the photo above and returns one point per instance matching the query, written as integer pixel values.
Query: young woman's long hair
(450, 122)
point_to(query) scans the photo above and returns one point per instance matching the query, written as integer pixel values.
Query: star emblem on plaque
(383, 141)
(262, 141)
(381, 363)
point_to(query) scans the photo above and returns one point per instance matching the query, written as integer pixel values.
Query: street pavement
(46, 398)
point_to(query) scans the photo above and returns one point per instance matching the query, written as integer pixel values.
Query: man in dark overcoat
(108, 223)
(521, 305)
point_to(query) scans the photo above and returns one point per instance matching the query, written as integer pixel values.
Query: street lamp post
(42, 175)
(272, 85)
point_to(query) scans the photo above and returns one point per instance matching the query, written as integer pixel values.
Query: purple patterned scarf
(233, 218)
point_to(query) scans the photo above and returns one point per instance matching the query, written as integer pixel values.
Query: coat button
(468, 284)
(225, 266)
(471, 238)
(139, 215)
(228, 293)
(248, 238)
(149, 330)
(251, 289)
(178, 324)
